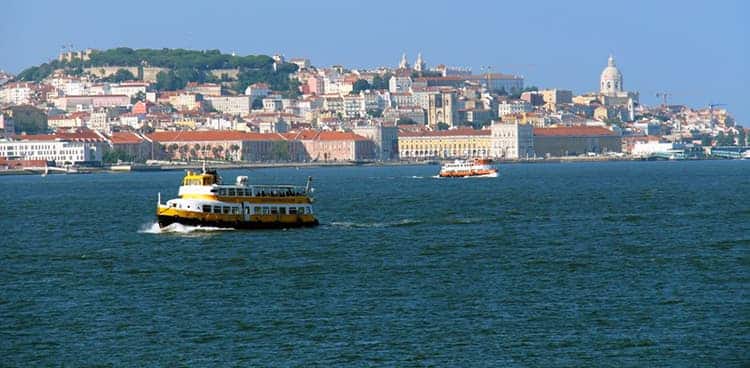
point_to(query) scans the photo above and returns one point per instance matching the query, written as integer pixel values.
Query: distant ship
(205, 201)
(479, 167)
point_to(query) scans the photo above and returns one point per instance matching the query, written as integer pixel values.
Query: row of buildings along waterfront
(501, 140)
(407, 112)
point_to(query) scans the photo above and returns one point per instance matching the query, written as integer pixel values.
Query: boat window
(257, 210)
(309, 210)
(247, 210)
(274, 210)
(266, 210)
(206, 208)
(301, 210)
(235, 210)
(217, 209)
(222, 191)
(231, 192)
(240, 192)
(225, 209)
(292, 210)
(282, 210)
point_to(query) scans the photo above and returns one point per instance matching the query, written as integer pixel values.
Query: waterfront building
(575, 140)
(133, 144)
(335, 146)
(512, 140)
(384, 139)
(453, 143)
(80, 147)
(229, 145)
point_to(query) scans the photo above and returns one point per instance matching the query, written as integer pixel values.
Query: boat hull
(462, 174)
(273, 224)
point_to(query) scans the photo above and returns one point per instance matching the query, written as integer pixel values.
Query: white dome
(611, 78)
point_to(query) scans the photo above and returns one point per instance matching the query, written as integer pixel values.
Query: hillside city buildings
(406, 112)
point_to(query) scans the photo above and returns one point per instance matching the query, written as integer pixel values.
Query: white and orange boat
(478, 167)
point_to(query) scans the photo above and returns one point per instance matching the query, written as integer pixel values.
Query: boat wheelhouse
(203, 200)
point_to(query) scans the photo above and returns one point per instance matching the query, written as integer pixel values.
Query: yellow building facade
(457, 143)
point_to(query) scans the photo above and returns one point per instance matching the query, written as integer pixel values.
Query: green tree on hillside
(361, 85)
(121, 75)
(29, 119)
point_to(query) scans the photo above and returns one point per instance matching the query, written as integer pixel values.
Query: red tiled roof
(340, 136)
(575, 131)
(82, 135)
(216, 135)
(446, 133)
(125, 138)
(306, 135)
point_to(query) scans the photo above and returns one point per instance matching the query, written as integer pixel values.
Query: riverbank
(171, 166)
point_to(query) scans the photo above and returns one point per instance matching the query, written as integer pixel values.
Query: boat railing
(261, 191)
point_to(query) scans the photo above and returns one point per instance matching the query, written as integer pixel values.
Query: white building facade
(511, 141)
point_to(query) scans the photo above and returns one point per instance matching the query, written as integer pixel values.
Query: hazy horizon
(695, 52)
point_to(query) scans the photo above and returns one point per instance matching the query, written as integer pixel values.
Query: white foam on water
(178, 228)
(349, 224)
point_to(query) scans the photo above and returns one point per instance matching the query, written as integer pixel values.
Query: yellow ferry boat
(205, 201)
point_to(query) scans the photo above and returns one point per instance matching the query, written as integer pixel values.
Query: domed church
(611, 79)
(612, 94)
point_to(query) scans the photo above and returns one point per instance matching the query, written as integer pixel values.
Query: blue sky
(695, 50)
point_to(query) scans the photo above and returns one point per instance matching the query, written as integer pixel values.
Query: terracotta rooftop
(323, 136)
(574, 131)
(82, 135)
(125, 138)
(216, 135)
(446, 133)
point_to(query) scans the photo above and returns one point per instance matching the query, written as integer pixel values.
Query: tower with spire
(419, 64)
(404, 64)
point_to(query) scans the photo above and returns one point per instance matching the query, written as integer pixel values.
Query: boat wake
(178, 228)
(493, 175)
(349, 224)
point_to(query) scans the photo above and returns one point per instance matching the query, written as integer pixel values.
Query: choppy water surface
(603, 264)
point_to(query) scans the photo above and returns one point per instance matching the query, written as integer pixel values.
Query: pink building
(315, 85)
(334, 146)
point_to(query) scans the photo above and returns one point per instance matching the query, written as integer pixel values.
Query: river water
(577, 264)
